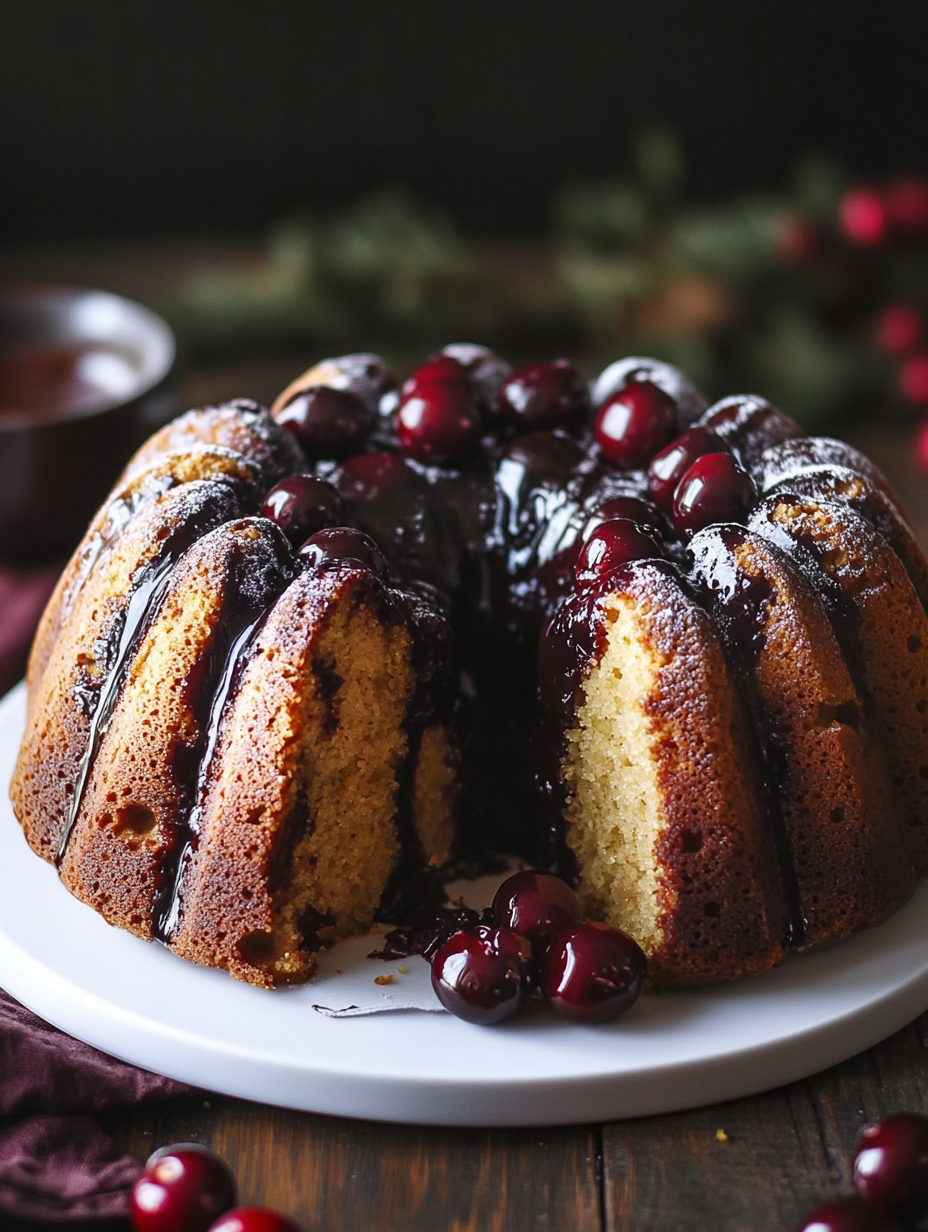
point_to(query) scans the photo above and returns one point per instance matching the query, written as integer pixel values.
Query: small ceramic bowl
(85, 377)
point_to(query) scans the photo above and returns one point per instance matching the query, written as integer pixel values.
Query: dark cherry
(847, 1215)
(544, 396)
(483, 973)
(537, 906)
(254, 1219)
(182, 1188)
(716, 488)
(667, 467)
(485, 370)
(326, 547)
(891, 1165)
(635, 424)
(437, 420)
(634, 508)
(612, 544)
(328, 423)
(368, 475)
(301, 505)
(594, 973)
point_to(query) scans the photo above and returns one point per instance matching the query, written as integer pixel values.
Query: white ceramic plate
(672, 1051)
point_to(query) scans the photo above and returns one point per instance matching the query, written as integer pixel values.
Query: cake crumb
(721, 1136)
(402, 970)
(384, 979)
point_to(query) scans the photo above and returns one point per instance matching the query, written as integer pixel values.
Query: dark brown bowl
(85, 377)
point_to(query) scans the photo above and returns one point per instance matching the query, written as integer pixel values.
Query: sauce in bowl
(46, 382)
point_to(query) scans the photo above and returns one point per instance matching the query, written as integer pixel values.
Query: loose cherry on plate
(253, 1219)
(544, 396)
(847, 1215)
(593, 973)
(634, 424)
(669, 465)
(612, 544)
(327, 547)
(437, 419)
(537, 906)
(301, 505)
(482, 974)
(891, 1165)
(716, 488)
(182, 1188)
(328, 423)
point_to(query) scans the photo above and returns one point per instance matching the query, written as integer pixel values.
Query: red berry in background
(182, 1188)
(253, 1219)
(301, 505)
(863, 217)
(611, 545)
(913, 379)
(667, 467)
(328, 423)
(544, 396)
(797, 240)
(336, 543)
(634, 424)
(537, 906)
(847, 1215)
(921, 447)
(891, 1165)
(482, 974)
(716, 488)
(594, 973)
(907, 206)
(437, 420)
(898, 329)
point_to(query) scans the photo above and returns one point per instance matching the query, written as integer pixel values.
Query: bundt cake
(304, 658)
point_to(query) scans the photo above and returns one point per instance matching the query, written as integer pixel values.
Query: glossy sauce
(48, 382)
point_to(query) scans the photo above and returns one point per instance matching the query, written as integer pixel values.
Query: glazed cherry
(328, 423)
(485, 370)
(633, 508)
(594, 973)
(327, 547)
(613, 544)
(544, 396)
(536, 906)
(716, 488)
(668, 466)
(253, 1219)
(891, 1165)
(847, 1215)
(301, 505)
(437, 420)
(368, 475)
(482, 974)
(634, 424)
(183, 1188)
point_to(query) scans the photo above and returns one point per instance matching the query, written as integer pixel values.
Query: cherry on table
(182, 1188)
(668, 466)
(253, 1219)
(891, 1165)
(634, 424)
(594, 973)
(301, 505)
(536, 906)
(336, 543)
(612, 544)
(328, 423)
(482, 974)
(716, 488)
(544, 396)
(847, 1215)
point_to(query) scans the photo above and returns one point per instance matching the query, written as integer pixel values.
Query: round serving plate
(671, 1051)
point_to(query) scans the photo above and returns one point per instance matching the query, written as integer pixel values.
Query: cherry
(594, 973)
(898, 329)
(485, 370)
(634, 508)
(891, 1165)
(913, 379)
(328, 423)
(368, 475)
(437, 419)
(482, 974)
(847, 1215)
(612, 544)
(667, 467)
(716, 488)
(301, 505)
(182, 1188)
(634, 424)
(327, 547)
(544, 396)
(253, 1219)
(863, 216)
(907, 206)
(537, 906)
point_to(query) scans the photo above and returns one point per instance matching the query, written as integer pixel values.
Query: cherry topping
(716, 488)
(594, 973)
(482, 974)
(612, 544)
(368, 475)
(486, 370)
(537, 906)
(437, 419)
(847, 1215)
(327, 547)
(253, 1219)
(301, 505)
(328, 423)
(634, 424)
(634, 508)
(182, 1188)
(891, 1165)
(544, 396)
(667, 467)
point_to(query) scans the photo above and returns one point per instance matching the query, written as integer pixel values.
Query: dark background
(148, 117)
